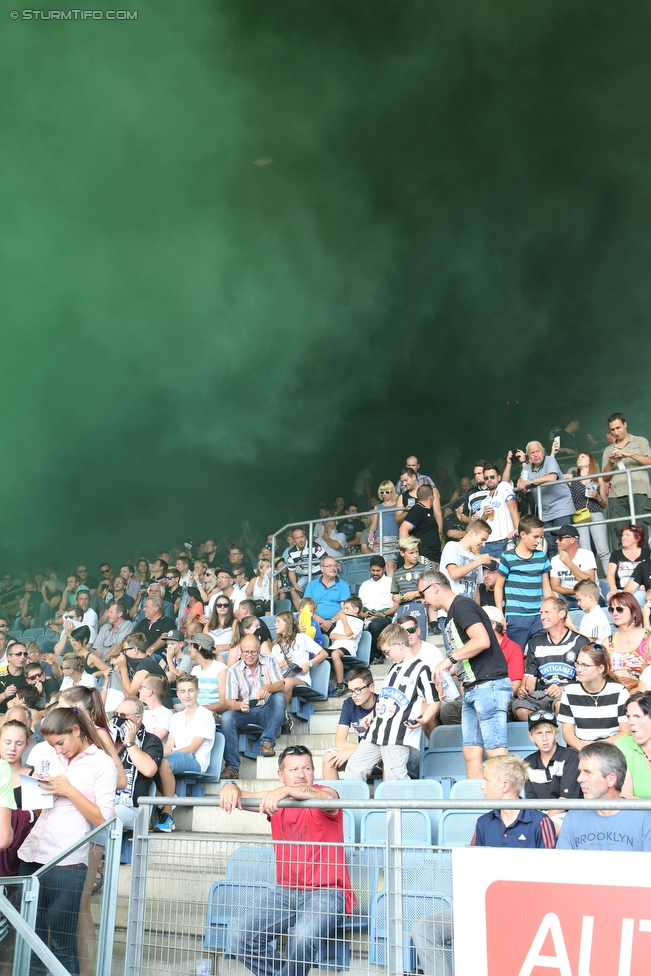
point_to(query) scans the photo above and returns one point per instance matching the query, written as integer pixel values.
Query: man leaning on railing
(631, 452)
(313, 893)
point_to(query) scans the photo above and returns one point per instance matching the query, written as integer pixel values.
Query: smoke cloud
(247, 247)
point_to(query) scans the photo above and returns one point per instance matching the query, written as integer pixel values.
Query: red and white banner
(551, 913)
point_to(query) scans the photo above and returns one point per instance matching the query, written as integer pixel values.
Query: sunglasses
(618, 609)
(35, 677)
(425, 588)
(222, 606)
(294, 751)
(385, 492)
(542, 717)
(410, 630)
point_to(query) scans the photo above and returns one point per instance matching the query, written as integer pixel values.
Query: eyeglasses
(542, 717)
(294, 751)
(584, 667)
(35, 677)
(357, 691)
(410, 630)
(131, 647)
(618, 609)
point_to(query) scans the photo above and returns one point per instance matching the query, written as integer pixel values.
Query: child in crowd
(307, 601)
(344, 638)
(595, 624)
(554, 769)
(360, 704)
(177, 658)
(407, 701)
(295, 653)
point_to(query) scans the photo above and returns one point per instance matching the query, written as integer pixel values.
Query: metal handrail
(418, 803)
(616, 472)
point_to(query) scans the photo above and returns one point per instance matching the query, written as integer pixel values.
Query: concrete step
(313, 740)
(321, 723)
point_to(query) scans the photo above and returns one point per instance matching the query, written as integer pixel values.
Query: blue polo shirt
(530, 829)
(328, 598)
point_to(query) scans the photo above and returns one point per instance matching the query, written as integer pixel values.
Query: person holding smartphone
(81, 777)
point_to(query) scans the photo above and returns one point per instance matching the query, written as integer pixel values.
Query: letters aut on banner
(576, 925)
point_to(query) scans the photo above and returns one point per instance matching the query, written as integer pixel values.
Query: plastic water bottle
(203, 967)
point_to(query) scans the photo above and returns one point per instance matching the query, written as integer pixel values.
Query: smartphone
(253, 702)
(411, 725)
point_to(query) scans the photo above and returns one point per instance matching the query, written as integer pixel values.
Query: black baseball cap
(569, 531)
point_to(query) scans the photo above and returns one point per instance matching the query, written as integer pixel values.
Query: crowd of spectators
(500, 564)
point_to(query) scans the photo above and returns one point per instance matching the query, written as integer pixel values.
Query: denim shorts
(485, 713)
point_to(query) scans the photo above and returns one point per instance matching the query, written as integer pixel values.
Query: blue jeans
(306, 917)
(485, 713)
(58, 911)
(183, 762)
(270, 716)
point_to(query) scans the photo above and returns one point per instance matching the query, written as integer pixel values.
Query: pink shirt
(93, 773)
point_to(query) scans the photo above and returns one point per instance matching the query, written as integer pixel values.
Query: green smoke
(247, 246)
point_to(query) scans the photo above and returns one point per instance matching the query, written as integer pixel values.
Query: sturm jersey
(551, 663)
(400, 699)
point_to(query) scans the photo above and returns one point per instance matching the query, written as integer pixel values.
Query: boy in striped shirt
(522, 582)
(406, 701)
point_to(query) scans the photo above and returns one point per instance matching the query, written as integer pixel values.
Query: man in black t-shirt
(155, 624)
(134, 664)
(425, 523)
(477, 660)
(12, 676)
(352, 528)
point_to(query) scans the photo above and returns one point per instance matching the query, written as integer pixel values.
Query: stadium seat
(363, 656)
(413, 907)
(413, 789)
(576, 616)
(457, 827)
(435, 763)
(280, 605)
(303, 695)
(416, 828)
(349, 827)
(446, 737)
(33, 633)
(15, 634)
(364, 866)
(517, 737)
(211, 775)
(467, 789)
(350, 789)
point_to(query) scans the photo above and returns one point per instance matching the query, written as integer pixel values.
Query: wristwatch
(127, 745)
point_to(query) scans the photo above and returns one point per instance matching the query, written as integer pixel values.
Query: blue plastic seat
(413, 907)
(416, 828)
(364, 865)
(413, 789)
(15, 634)
(304, 695)
(33, 633)
(363, 656)
(252, 865)
(350, 789)
(280, 605)
(446, 737)
(576, 616)
(442, 762)
(212, 774)
(457, 827)
(517, 737)
(467, 789)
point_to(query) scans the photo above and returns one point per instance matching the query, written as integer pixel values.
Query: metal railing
(310, 524)
(26, 921)
(201, 903)
(539, 489)
(627, 472)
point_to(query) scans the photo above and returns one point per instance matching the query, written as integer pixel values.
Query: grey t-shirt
(557, 504)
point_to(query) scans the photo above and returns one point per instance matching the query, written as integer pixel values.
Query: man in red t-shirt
(512, 652)
(313, 891)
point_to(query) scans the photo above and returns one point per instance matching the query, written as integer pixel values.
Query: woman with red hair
(623, 561)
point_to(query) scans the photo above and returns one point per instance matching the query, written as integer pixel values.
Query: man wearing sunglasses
(12, 677)
(500, 509)
(313, 894)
